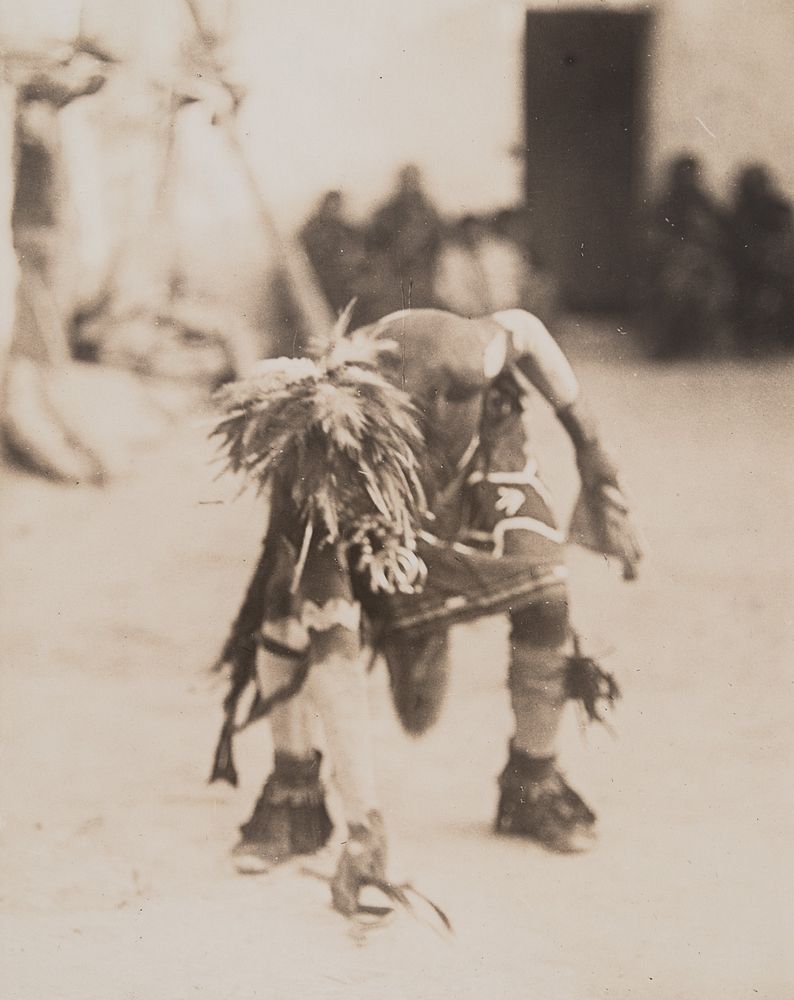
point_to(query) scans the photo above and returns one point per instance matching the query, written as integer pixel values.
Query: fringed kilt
(503, 554)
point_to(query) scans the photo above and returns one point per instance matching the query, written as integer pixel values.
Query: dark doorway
(586, 123)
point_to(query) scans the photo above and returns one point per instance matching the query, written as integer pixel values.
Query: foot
(289, 818)
(251, 858)
(536, 802)
(362, 863)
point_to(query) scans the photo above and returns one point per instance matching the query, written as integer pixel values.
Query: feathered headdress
(343, 442)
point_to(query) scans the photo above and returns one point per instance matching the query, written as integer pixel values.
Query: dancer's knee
(543, 624)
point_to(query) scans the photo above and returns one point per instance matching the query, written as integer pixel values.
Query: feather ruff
(343, 441)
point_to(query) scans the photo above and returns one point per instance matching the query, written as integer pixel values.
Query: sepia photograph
(396, 500)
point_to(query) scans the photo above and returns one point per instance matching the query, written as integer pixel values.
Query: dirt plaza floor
(116, 882)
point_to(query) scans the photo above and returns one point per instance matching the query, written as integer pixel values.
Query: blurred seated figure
(688, 288)
(538, 289)
(463, 282)
(335, 250)
(483, 268)
(402, 246)
(763, 255)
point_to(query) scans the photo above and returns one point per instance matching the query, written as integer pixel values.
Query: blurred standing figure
(45, 67)
(44, 234)
(36, 50)
(335, 250)
(404, 238)
(9, 270)
(763, 255)
(688, 291)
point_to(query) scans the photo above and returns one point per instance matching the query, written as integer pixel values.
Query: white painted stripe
(524, 524)
(468, 454)
(336, 611)
(482, 536)
(526, 475)
(550, 371)
(495, 355)
(468, 550)
(384, 322)
(542, 490)
(530, 524)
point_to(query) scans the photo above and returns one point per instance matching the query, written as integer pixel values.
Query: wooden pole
(304, 286)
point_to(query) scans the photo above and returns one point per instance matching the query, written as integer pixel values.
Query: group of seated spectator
(719, 279)
(407, 255)
(713, 279)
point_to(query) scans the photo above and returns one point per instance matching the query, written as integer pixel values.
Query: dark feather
(239, 654)
(223, 768)
(587, 682)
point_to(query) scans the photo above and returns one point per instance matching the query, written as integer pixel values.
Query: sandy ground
(116, 882)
